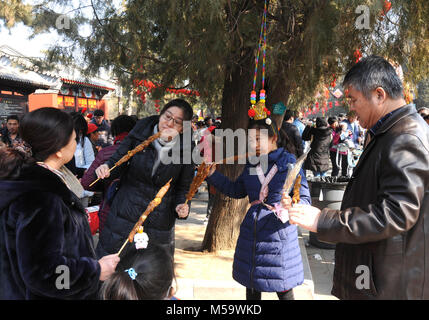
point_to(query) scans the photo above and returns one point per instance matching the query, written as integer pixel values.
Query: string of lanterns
(144, 87)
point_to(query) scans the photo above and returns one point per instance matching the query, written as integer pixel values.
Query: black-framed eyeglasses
(168, 117)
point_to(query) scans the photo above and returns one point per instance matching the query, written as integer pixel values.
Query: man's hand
(305, 216)
(182, 210)
(286, 201)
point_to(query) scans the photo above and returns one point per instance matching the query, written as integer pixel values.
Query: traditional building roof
(20, 69)
(15, 73)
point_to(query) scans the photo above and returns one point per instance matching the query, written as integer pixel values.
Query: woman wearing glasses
(143, 176)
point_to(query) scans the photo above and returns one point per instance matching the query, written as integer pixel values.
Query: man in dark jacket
(10, 135)
(103, 128)
(381, 231)
(293, 133)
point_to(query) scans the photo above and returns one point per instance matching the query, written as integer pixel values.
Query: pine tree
(14, 11)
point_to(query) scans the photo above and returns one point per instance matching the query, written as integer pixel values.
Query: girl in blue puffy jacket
(267, 255)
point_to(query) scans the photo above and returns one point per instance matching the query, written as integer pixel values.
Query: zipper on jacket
(254, 248)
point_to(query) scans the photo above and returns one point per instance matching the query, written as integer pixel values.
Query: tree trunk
(278, 91)
(227, 214)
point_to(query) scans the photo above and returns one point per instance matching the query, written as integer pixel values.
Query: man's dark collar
(380, 122)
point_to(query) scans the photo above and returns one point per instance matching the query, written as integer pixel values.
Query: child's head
(145, 274)
(265, 138)
(343, 126)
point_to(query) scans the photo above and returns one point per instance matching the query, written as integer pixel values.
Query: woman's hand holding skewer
(182, 210)
(102, 171)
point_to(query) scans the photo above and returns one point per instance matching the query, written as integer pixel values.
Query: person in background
(104, 139)
(208, 121)
(354, 127)
(318, 158)
(424, 112)
(93, 135)
(297, 122)
(293, 132)
(120, 128)
(43, 224)
(338, 136)
(84, 154)
(341, 117)
(10, 135)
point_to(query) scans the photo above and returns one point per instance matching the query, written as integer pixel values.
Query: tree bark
(227, 214)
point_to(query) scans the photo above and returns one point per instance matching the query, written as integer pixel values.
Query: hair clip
(132, 273)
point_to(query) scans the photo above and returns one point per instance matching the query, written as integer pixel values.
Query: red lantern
(358, 55)
(334, 81)
(386, 8)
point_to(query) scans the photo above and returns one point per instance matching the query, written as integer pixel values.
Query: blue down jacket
(267, 256)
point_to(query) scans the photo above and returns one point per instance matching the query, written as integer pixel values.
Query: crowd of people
(49, 160)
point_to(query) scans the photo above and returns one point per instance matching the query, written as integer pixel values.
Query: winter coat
(382, 230)
(318, 158)
(267, 256)
(44, 235)
(356, 131)
(295, 137)
(138, 188)
(102, 185)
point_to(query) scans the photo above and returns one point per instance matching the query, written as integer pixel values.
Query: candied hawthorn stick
(131, 153)
(296, 187)
(202, 173)
(152, 205)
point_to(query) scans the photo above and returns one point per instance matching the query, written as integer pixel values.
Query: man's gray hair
(373, 72)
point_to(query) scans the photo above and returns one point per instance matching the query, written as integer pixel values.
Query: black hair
(155, 273)
(289, 114)
(373, 72)
(98, 113)
(206, 120)
(283, 140)
(80, 126)
(121, 124)
(46, 131)
(332, 120)
(12, 117)
(182, 104)
(320, 122)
